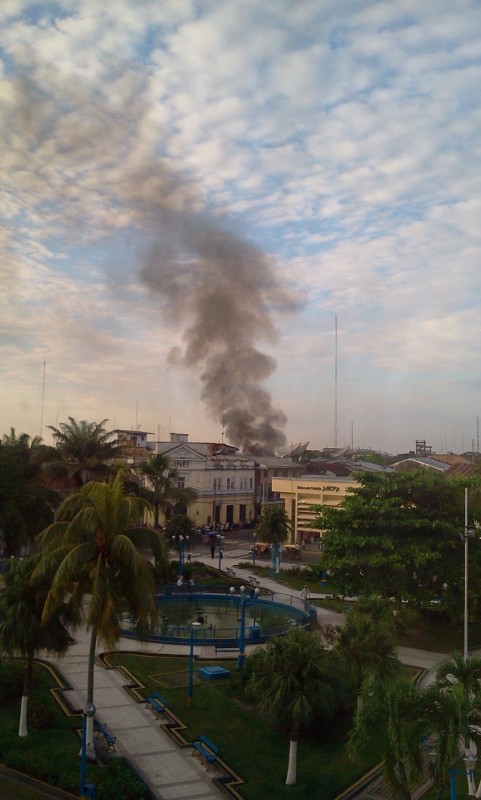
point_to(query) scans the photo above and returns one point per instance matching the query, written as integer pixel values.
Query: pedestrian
(191, 584)
(305, 595)
(180, 581)
(212, 550)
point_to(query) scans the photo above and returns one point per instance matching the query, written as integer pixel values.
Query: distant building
(447, 464)
(300, 494)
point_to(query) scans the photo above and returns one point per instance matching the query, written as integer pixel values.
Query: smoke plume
(103, 177)
(224, 290)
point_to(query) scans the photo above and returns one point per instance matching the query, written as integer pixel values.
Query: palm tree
(366, 642)
(27, 504)
(90, 555)
(462, 680)
(82, 450)
(451, 717)
(274, 527)
(391, 720)
(291, 679)
(22, 631)
(165, 494)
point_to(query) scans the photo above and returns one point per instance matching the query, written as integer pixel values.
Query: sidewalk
(169, 770)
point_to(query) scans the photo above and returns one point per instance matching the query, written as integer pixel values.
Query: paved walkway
(169, 770)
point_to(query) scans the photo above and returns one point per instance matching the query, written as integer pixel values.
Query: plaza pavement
(169, 770)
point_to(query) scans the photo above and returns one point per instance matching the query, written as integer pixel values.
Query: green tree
(367, 641)
(397, 534)
(82, 451)
(22, 631)
(180, 526)
(274, 527)
(292, 680)
(391, 719)
(460, 680)
(163, 490)
(26, 503)
(90, 555)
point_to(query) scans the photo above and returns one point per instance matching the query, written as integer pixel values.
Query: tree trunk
(469, 750)
(89, 738)
(292, 765)
(27, 685)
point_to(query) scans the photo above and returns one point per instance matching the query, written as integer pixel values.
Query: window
(181, 483)
(228, 483)
(250, 483)
(216, 484)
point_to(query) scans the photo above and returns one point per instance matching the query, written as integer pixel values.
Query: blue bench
(206, 749)
(157, 703)
(254, 581)
(101, 730)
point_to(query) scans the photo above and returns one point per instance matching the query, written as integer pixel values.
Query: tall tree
(274, 527)
(90, 555)
(391, 719)
(22, 631)
(461, 680)
(367, 641)
(163, 490)
(82, 451)
(26, 503)
(397, 534)
(292, 679)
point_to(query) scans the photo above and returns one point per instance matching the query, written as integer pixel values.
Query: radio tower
(335, 381)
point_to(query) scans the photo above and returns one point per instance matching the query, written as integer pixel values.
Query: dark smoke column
(224, 290)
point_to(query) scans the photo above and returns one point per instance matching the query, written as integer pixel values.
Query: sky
(221, 211)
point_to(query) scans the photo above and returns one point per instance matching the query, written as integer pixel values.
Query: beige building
(300, 494)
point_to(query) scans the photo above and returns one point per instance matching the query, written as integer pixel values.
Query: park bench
(101, 730)
(230, 572)
(206, 749)
(157, 703)
(254, 581)
(220, 648)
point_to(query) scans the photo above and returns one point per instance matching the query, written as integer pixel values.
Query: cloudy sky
(194, 191)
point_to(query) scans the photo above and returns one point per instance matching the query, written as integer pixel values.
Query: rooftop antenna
(43, 400)
(335, 380)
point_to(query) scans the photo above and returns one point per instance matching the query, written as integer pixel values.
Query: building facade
(300, 494)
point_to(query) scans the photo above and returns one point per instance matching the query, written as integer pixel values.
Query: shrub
(42, 717)
(11, 684)
(118, 780)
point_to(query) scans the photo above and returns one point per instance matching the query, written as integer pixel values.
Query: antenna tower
(335, 380)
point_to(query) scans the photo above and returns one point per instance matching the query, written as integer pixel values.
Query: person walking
(212, 550)
(305, 595)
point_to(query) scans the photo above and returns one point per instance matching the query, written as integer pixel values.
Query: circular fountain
(219, 618)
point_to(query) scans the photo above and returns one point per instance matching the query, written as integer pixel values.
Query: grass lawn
(50, 752)
(248, 743)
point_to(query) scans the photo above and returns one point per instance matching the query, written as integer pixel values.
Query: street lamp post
(470, 761)
(87, 790)
(193, 627)
(243, 602)
(182, 544)
(254, 549)
(465, 535)
(220, 539)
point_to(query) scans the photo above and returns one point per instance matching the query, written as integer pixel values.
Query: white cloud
(342, 137)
